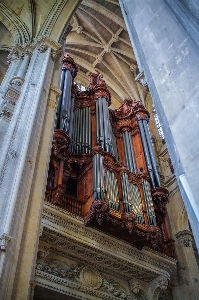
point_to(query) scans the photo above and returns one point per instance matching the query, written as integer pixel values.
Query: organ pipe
(65, 105)
(146, 152)
(149, 202)
(129, 153)
(151, 151)
(128, 195)
(81, 134)
(98, 176)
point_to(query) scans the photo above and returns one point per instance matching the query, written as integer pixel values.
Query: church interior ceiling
(99, 41)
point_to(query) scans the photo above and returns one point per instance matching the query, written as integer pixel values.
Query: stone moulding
(67, 287)
(63, 225)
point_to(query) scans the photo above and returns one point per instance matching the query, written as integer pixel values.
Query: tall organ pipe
(61, 85)
(105, 133)
(89, 129)
(114, 145)
(129, 153)
(146, 152)
(149, 203)
(81, 134)
(86, 130)
(103, 126)
(66, 101)
(98, 176)
(132, 152)
(72, 116)
(151, 151)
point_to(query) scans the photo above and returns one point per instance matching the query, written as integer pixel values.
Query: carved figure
(134, 286)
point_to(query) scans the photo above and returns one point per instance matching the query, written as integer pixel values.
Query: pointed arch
(15, 25)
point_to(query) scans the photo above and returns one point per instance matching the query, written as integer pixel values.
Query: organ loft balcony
(102, 165)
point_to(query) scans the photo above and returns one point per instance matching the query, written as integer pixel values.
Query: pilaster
(20, 155)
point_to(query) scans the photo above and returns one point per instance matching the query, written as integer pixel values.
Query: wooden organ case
(103, 167)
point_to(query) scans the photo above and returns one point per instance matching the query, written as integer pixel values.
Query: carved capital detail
(4, 240)
(185, 237)
(141, 79)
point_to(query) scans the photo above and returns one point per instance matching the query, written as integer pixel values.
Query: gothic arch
(15, 25)
(57, 19)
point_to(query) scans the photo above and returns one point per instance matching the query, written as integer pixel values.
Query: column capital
(142, 79)
(185, 237)
(41, 43)
(4, 240)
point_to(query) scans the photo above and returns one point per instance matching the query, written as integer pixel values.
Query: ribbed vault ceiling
(99, 41)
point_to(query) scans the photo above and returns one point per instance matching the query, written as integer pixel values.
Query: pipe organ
(103, 167)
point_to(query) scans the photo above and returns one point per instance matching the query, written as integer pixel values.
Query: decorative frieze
(80, 278)
(58, 219)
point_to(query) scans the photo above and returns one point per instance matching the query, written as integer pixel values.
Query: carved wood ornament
(73, 175)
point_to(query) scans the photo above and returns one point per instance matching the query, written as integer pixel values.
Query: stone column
(187, 269)
(35, 111)
(167, 53)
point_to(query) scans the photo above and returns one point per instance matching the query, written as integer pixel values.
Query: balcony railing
(66, 202)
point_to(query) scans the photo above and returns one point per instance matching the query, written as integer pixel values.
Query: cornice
(65, 228)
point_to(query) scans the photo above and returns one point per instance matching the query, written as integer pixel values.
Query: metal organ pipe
(131, 198)
(81, 133)
(149, 202)
(129, 153)
(151, 152)
(72, 116)
(103, 126)
(61, 85)
(98, 176)
(66, 101)
(124, 181)
(114, 145)
(132, 156)
(86, 131)
(146, 152)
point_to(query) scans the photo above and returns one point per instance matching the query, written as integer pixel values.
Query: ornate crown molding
(57, 219)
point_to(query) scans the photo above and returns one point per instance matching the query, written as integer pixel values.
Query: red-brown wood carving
(71, 176)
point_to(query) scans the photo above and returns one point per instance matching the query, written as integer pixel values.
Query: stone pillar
(30, 127)
(167, 53)
(187, 269)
